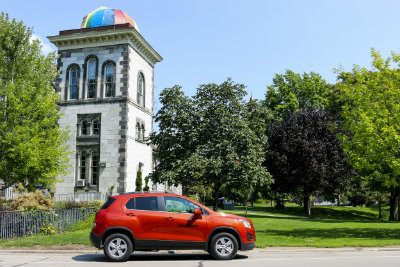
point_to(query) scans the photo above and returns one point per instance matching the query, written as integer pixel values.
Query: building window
(82, 166)
(143, 131)
(84, 127)
(95, 167)
(73, 83)
(91, 78)
(140, 90)
(109, 80)
(138, 131)
(95, 126)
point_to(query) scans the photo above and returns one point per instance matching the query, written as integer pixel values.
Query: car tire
(118, 247)
(223, 246)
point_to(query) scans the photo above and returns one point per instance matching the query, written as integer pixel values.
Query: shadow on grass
(337, 213)
(353, 233)
(315, 219)
(138, 256)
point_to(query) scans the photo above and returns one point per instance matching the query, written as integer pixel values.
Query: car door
(146, 221)
(182, 227)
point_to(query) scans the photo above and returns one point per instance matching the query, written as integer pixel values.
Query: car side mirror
(197, 213)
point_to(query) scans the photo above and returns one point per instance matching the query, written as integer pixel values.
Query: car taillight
(99, 217)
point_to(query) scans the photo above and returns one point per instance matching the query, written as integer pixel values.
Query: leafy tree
(207, 140)
(139, 180)
(305, 157)
(291, 92)
(371, 115)
(32, 149)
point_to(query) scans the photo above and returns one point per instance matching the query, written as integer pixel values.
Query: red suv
(163, 221)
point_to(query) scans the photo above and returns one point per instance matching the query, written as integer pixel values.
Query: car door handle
(170, 219)
(130, 214)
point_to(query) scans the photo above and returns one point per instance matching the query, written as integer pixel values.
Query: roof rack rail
(147, 192)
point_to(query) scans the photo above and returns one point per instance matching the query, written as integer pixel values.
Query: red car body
(163, 221)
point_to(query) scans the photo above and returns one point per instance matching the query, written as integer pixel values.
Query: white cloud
(46, 48)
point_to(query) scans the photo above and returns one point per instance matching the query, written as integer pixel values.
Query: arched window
(82, 165)
(137, 131)
(73, 83)
(96, 126)
(91, 78)
(142, 130)
(109, 80)
(84, 127)
(95, 168)
(140, 90)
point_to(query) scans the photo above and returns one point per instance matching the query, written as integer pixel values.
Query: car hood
(232, 216)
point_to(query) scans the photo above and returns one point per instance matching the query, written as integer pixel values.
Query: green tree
(292, 91)
(371, 116)
(32, 146)
(139, 180)
(207, 140)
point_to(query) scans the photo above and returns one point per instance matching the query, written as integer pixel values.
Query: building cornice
(105, 100)
(74, 39)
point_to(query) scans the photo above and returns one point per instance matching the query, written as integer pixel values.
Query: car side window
(142, 203)
(179, 205)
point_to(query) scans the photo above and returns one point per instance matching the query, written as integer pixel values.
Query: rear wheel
(118, 247)
(223, 246)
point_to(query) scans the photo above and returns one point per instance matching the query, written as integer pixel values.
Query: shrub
(48, 229)
(32, 201)
(5, 204)
(82, 204)
(85, 224)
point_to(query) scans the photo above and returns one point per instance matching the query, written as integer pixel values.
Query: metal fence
(78, 197)
(24, 223)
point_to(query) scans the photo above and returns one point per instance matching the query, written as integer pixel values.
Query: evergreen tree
(139, 180)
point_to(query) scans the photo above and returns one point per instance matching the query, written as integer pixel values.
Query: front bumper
(247, 246)
(95, 240)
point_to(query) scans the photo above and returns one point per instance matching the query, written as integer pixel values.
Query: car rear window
(142, 203)
(109, 201)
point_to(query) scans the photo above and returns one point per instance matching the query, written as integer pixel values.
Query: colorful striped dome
(104, 16)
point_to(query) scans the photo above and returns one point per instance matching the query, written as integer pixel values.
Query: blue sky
(210, 40)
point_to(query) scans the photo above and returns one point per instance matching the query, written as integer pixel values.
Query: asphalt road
(255, 258)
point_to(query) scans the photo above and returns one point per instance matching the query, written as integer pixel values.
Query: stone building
(106, 89)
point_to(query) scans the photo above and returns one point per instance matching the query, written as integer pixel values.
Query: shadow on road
(153, 257)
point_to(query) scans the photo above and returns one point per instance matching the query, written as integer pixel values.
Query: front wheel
(118, 247)
(223, 246)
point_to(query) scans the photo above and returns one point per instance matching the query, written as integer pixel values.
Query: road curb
(257, 250)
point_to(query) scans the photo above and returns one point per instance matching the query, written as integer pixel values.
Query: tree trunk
(398, 206)
(338, 200)
(307, 204)
(215, 194)
(394, 208)
(380, 206)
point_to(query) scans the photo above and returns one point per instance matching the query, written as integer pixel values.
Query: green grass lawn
(77, 237)
(329, 227)
(273, 231)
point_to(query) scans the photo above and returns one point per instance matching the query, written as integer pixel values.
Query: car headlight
(246, 223)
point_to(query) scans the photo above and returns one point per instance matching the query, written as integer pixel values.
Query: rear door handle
(130, 214)
(170, 219)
